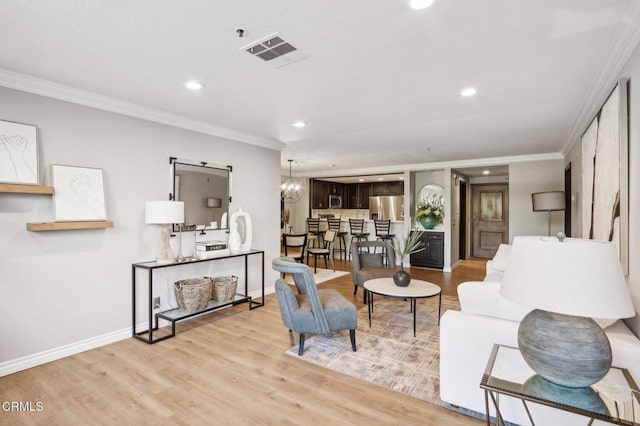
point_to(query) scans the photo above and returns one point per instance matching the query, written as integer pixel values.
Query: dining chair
(294, 246)
(326, 251)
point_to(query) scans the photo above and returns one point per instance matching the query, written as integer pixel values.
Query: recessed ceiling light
(360, 180)
(194, 85)
(469, 91)
(299, 124)
(401, 178)
(420, 4)
(486, 172)
(380, 178)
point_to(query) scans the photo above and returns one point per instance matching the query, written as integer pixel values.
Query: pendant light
(290, 189)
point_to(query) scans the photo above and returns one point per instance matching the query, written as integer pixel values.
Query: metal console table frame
(615, 399)
(175, 315)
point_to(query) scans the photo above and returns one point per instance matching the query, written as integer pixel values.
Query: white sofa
(467, 337)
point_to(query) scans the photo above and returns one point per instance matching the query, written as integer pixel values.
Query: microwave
(335, 202)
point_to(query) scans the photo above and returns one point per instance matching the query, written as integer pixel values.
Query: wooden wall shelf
(26, 189)
(67, 226)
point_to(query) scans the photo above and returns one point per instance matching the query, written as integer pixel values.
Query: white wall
(631, 70)
(63, 287)
(524, 179)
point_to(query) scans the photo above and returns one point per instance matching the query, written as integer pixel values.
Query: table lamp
(568, 282)
(164, 213)
(550, 201)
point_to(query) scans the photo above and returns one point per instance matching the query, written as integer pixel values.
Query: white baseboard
(19, 364)
(29, 361)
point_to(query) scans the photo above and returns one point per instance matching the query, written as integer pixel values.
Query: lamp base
(166, 254)
(564, 349)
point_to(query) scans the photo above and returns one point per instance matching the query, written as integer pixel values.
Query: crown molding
(606, 80)
(26, 83)
(458, 164)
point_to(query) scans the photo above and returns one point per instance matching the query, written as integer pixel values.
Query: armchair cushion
(341, 314)
(371, 260)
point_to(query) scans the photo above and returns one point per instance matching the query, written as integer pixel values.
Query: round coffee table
(417, 289)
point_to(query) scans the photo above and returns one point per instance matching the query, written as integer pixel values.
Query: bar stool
(313, 228)
(383, 228)
(334, 225)
(356, 226)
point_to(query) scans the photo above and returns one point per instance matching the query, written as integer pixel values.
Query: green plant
(431, 207)
(412, 243)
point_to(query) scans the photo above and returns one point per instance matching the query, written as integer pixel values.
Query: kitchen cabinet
(433, 254)
(321, 190)
(320, 194)
(357, 195)
(387, 188)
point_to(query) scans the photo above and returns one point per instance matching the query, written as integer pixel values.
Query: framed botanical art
(78, 193)
(605, 174)
(18, 153)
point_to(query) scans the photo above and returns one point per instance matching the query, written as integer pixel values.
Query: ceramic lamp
(164, 213)
(567, 283)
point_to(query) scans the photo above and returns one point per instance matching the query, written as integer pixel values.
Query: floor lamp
(549, 201)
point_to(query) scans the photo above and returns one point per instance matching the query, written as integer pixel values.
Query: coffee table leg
(369, 304)
(439, 306)
(413, 306)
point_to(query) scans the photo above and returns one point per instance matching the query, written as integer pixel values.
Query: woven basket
(193, 294)
(224, 288)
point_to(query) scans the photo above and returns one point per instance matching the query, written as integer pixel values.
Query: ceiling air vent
(275, 50)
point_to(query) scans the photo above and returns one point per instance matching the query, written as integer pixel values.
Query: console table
(614, 399)
(175, 315)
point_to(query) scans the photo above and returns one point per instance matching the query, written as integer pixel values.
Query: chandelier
(290, 189)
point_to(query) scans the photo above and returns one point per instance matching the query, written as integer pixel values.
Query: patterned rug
(388, 355)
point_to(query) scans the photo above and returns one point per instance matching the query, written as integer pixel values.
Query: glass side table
(614, 399)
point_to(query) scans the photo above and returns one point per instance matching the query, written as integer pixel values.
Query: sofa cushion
(483, 298)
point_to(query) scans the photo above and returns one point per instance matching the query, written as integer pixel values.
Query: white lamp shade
(164, 212)
(214, 202)
(574, 277)
(548, 201)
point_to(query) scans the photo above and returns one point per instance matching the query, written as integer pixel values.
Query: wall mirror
(205, 190)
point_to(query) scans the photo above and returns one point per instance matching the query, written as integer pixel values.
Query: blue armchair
(311, 311)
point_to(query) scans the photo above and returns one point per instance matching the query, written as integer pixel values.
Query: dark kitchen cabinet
(387, 188)
(320, 194)
(433, 254)
(357, 195)
(321, 190)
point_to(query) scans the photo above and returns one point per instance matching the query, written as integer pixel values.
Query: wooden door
(490, 214)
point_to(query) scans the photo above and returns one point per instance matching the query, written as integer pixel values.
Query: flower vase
(401, 278)
(427, 222)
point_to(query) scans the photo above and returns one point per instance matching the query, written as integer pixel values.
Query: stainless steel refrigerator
(389, 207)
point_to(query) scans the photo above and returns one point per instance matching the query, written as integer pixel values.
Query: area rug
(321, 276)
(388, 355)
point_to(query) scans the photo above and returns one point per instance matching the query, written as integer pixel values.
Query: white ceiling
(380, 86)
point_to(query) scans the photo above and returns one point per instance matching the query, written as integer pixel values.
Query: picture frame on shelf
(18, 153)
(79, 193)
(605, 174)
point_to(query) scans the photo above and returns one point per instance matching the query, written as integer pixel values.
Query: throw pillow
(371, 260)
(483, 298)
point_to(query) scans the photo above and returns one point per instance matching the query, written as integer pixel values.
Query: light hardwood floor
(224, 368)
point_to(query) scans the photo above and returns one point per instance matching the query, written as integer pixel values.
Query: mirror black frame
(201, 199)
